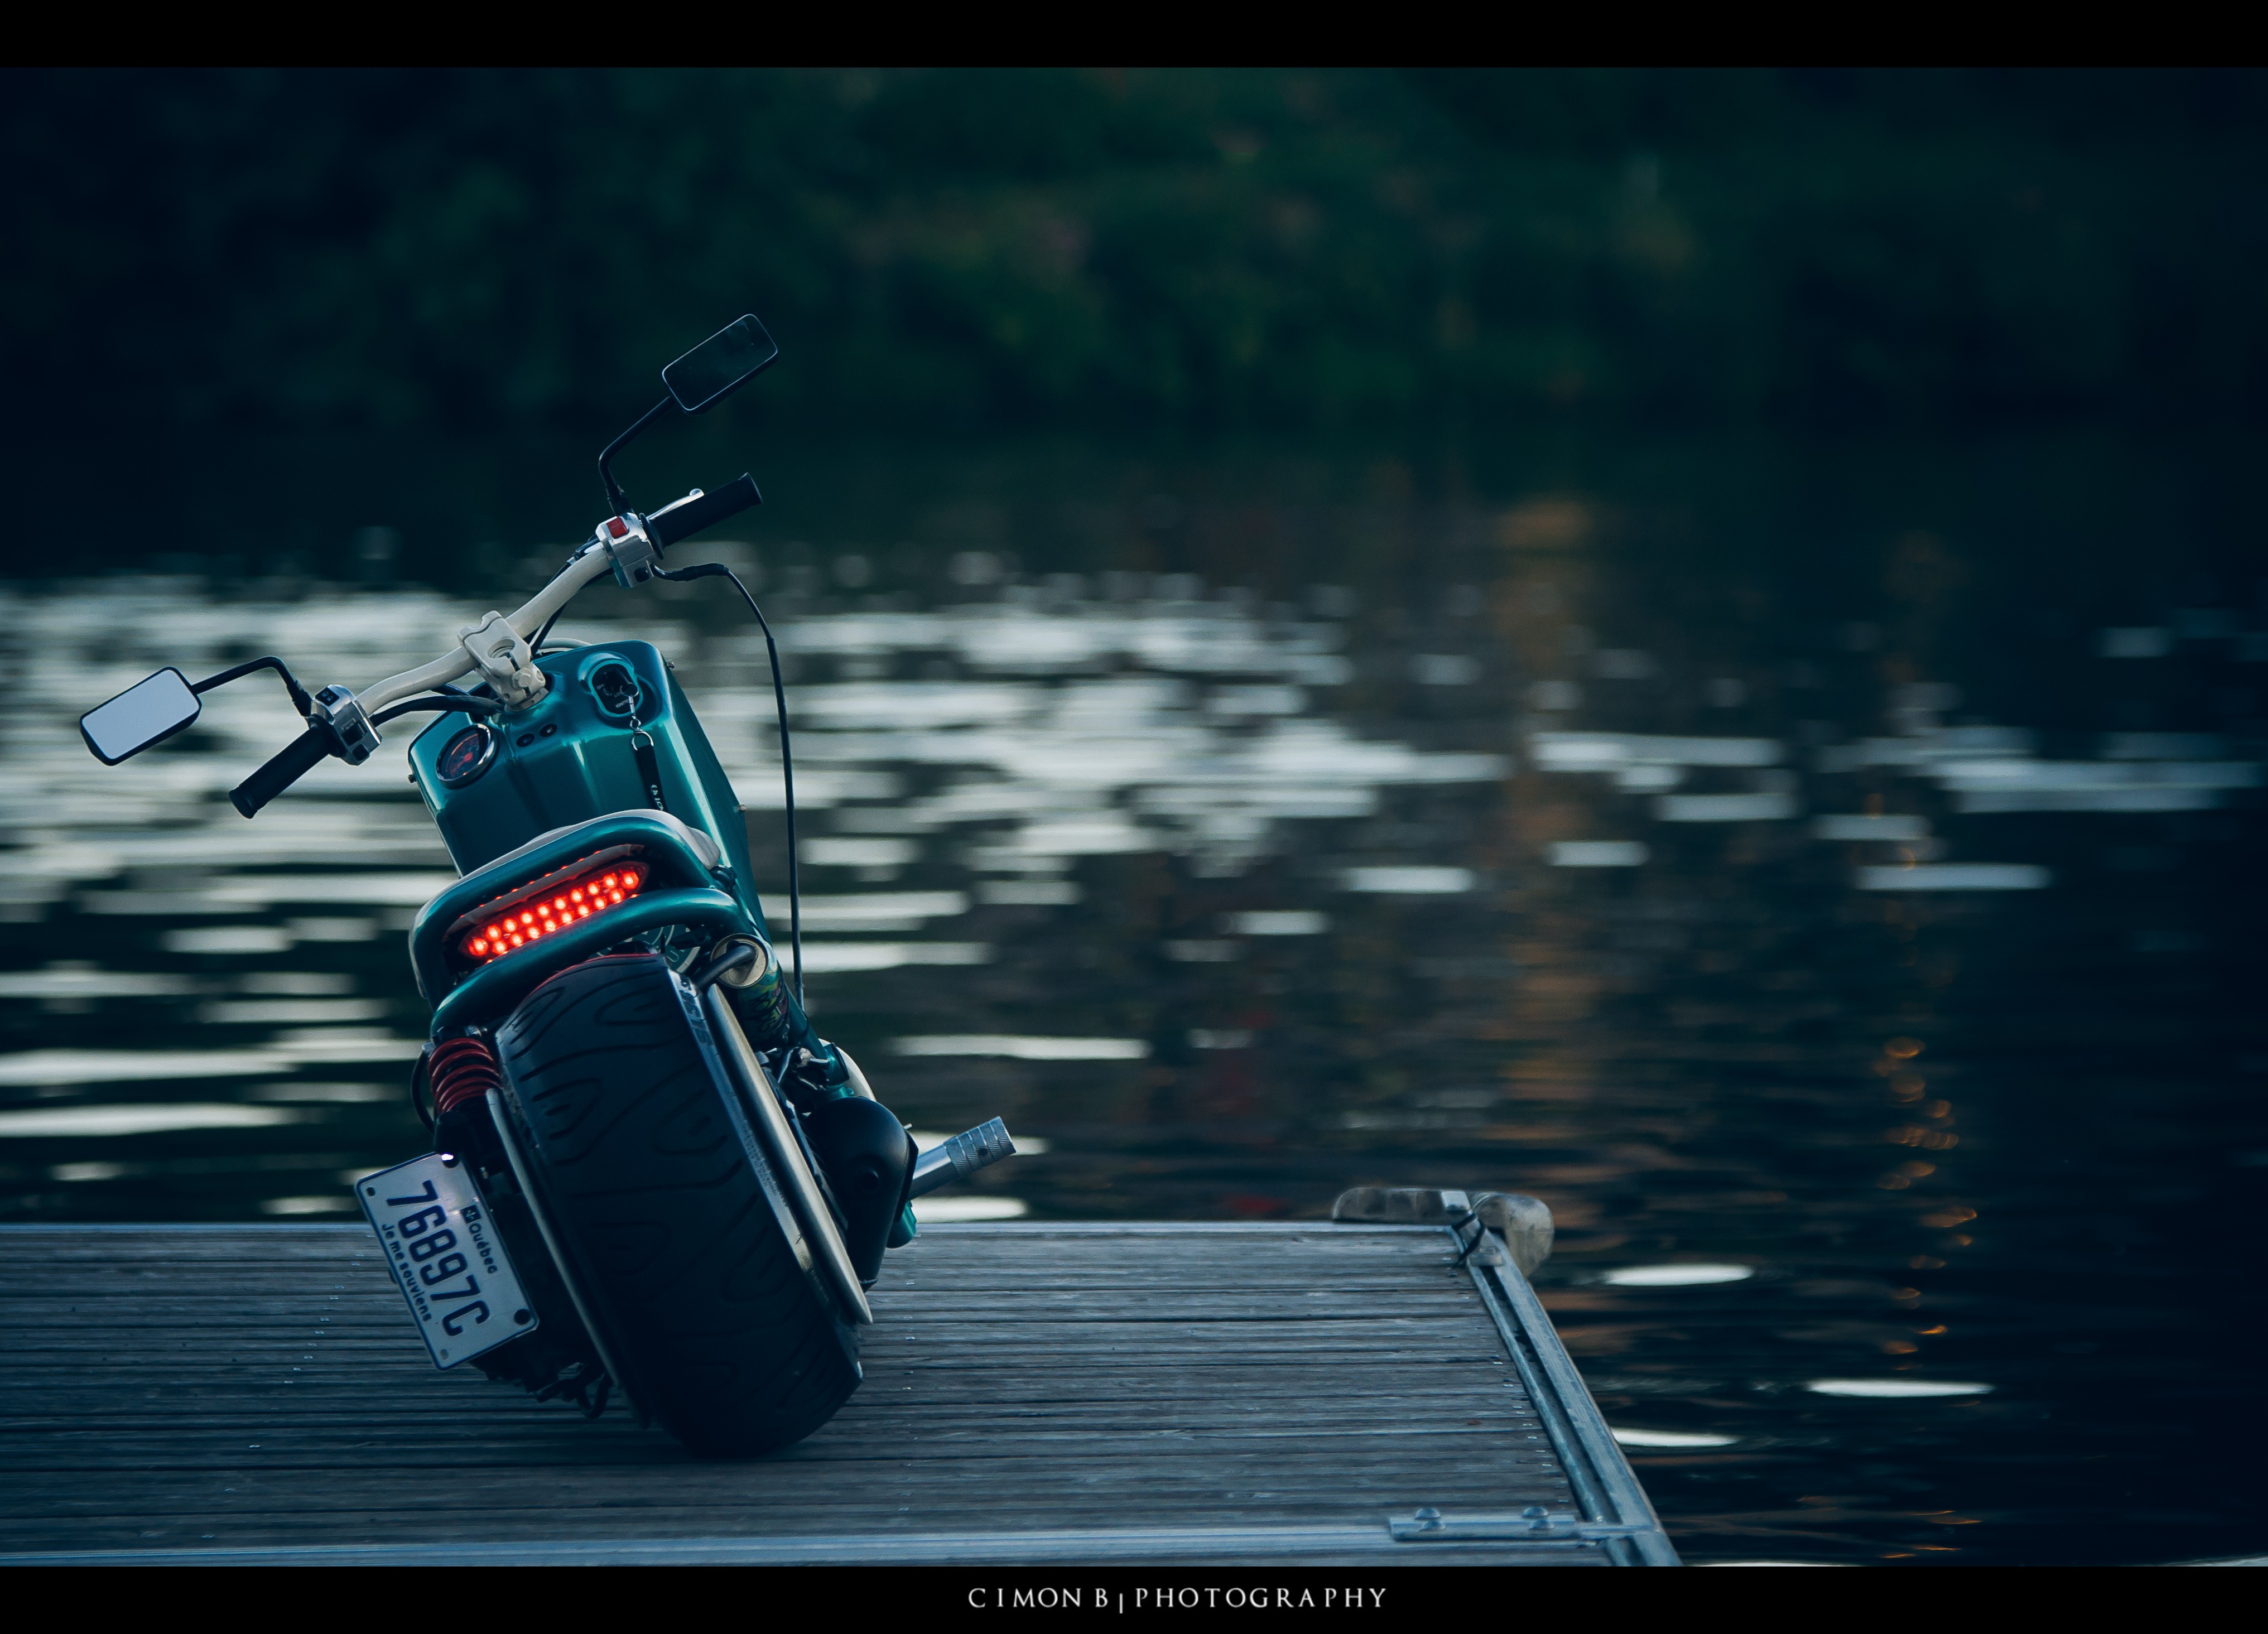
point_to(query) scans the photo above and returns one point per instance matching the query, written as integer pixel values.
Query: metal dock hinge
(1532, 1524)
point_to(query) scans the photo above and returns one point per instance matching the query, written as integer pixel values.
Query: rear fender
(683, 887)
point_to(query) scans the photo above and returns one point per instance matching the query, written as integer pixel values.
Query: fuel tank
(494, 785)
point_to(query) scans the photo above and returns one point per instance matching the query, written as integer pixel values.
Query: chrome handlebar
(595, 559)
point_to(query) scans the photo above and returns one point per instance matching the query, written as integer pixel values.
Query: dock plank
(1248, 1394)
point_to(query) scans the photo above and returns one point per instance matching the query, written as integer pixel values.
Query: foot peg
(962, 1156)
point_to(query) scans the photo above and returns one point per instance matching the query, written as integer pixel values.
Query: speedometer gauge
(465, 756)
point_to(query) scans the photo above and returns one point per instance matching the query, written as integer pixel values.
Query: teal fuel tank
(494, 785)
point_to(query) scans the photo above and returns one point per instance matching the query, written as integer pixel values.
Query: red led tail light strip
(516, 921)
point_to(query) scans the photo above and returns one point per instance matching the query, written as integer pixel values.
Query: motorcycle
(649, 1174)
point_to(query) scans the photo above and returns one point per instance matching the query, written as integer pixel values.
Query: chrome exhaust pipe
(962, 1156)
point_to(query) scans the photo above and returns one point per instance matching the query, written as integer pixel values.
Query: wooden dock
(1035, 1394)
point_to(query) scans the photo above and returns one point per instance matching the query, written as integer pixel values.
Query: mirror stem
(300, 700)
(614, 496)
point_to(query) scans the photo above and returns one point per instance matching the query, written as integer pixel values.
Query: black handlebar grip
(688, 517)
(299, 757)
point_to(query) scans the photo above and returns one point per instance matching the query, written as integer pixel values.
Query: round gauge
(465, 756)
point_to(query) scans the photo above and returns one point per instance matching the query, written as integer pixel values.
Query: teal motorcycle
(649, 1174)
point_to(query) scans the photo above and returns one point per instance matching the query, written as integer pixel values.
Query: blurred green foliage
(480, 248)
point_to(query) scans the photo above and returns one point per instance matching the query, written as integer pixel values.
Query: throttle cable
(718, 570)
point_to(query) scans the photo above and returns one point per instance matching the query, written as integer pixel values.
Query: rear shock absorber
(462, 1070)
(758, 992)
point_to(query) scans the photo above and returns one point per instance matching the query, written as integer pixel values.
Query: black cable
(718, 570)
(536, 645)
(462, 703)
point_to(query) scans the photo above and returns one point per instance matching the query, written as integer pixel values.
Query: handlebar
(689, 515)
(666, 526)
(299, 757)
(591, 562)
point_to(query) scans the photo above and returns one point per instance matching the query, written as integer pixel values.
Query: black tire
(643, 1161)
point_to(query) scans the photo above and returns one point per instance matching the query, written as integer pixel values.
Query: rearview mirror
(146, 713)
(720, 366)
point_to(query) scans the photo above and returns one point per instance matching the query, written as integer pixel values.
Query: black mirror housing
(143, 716)
(720, 366)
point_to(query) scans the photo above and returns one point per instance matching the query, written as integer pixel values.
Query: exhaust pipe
(962, 1156)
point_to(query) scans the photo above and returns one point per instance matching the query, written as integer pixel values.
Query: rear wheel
(675, 1233)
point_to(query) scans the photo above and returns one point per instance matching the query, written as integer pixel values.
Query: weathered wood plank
(260, 1387)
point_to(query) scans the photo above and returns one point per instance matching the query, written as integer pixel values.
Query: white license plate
(446, 1257)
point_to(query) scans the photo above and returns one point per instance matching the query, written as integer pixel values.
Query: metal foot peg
(962, 1156)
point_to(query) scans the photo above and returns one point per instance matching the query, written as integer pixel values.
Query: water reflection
(1872, 1002)
(1676, 1275)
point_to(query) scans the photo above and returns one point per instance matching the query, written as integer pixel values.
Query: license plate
(446, 1257)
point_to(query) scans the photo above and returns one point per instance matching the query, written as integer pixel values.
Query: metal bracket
(1609, 1494)
(504, 661)
(780, 1145)
(1532, 1524)
(340, 710)
(1483, 1248)
(505, 1137)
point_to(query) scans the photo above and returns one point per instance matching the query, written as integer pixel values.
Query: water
(1828, 877)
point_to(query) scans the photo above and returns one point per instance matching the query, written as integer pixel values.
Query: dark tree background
(486, 248)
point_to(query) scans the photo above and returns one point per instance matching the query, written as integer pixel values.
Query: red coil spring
(462, 1070)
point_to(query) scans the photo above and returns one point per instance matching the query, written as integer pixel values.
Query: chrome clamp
(504, 661)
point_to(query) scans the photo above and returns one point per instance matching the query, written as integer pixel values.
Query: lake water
(1828, 876)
